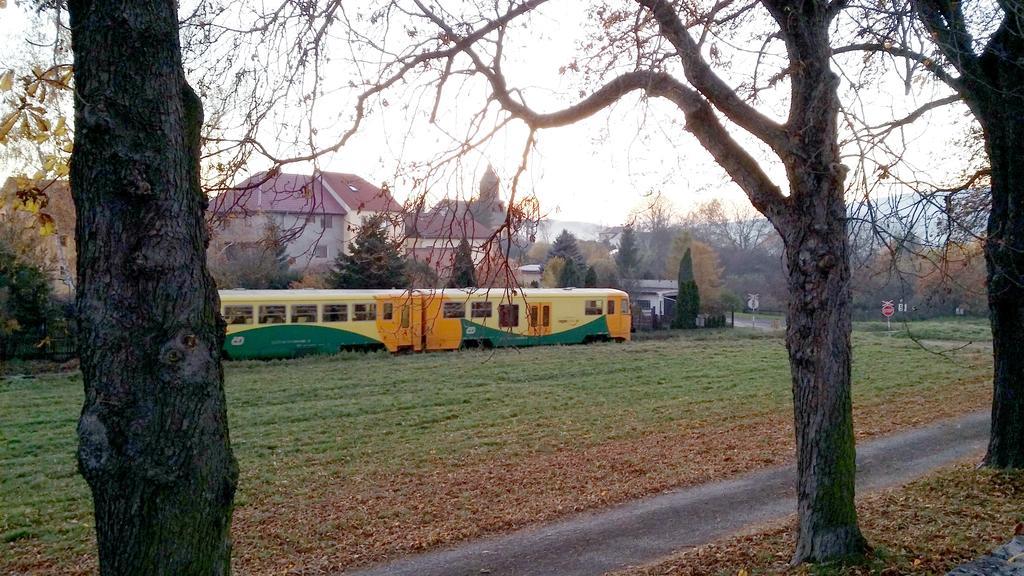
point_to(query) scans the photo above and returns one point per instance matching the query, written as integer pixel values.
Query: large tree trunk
(1004, 252)
(813, 229)
(153, 435)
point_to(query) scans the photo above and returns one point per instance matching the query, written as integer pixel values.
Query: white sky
(598, 170)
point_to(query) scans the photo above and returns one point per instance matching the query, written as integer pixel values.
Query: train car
(287, 323)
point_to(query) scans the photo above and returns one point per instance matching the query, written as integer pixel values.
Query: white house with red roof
(316, 215)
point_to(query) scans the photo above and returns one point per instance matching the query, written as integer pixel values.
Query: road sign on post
(888, 309)
(753, 303)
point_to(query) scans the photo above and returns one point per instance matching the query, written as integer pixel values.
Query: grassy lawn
(929, 526)
(953, 328)
(353, 458)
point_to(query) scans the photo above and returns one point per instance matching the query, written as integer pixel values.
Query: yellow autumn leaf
(62, 169)
(29, 206)
(41, 137)
(9, 121)
(46, 225)
(66, 78)
(69, 147)
(32, 88)
(42, 123)
(61, 128)
(6, 81)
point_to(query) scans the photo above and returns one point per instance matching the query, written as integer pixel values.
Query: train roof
(321, 294)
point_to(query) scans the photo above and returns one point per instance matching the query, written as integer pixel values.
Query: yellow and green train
(286, 323)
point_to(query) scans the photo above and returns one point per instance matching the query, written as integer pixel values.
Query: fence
(38, 346)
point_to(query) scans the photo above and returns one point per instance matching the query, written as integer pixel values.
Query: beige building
(316, 216)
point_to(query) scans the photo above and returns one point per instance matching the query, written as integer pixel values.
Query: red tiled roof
(299, 193)
(448, 224)
(359, 194)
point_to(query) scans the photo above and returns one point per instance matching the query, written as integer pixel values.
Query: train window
(534, 316)
(405, 316)
(303, 313)
(592, 308)
(546, 316)
(611, 306)
(388, 311)
(272, 314)
(508, 315)
(454, 309)
(364, 312)
(625, 306)
(238, 314)
(481, 310)
(335, 312)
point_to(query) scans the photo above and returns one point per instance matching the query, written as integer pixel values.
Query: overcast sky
(598, 170)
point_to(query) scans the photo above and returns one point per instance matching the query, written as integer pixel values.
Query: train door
(540, 318)
(618, 317)
(400, 321)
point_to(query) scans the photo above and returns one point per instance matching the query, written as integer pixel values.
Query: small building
(527, 274)
(656, 296)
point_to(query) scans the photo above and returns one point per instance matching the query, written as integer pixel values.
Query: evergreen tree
(688, 299)
(571, 275)
(463, 270)
(566, 248)
(373, 260)
(590, 280)
(628, 256)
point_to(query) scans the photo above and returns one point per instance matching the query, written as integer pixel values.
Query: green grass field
(301, 422)
(958, 329)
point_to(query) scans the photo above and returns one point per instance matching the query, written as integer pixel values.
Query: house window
(364, 312)
(508, 315)
(335, 312)
(611, 306)
(303, 313)
(389, 311)
(328, 222)
(481, 310)
(593, 308)
(454, 310)
(272, 314)
(644, 304)
(238, 314)
(320, 252)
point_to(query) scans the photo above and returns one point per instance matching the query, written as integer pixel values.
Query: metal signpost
(753, 304)
(888, 309)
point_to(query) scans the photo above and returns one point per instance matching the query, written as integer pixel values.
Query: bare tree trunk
(818, 340)
(1004, 253)
(819, 322)
(153, 435)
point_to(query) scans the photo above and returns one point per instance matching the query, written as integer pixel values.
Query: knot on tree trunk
(94, 458)
(189, 356)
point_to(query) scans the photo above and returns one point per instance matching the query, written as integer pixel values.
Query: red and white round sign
(888, 310)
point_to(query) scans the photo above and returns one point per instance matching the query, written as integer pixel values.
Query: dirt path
(645, 530)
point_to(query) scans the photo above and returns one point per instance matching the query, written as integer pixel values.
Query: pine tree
(566, 248)
(570, 277)
(688, 299)
(590, 280)
(628, 256)
(373, 260)
(463, 270)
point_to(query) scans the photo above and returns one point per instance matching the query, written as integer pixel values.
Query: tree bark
(814, 232)
(1003, 122)
(153, 434)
